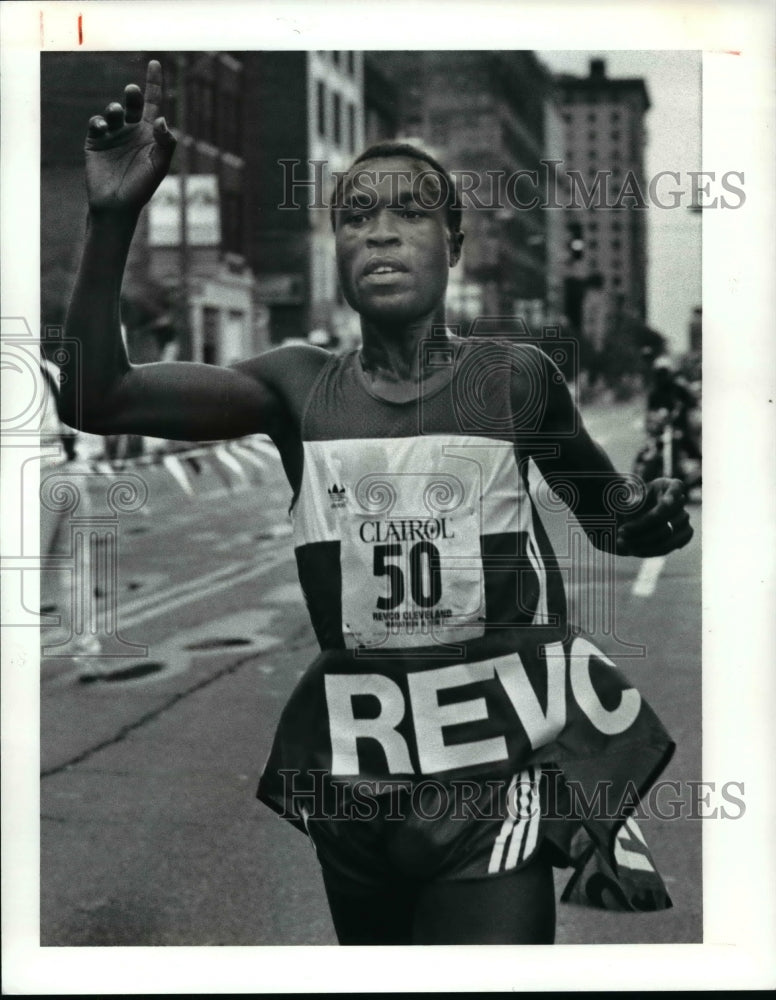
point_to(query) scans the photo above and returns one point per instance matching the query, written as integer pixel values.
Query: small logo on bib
(337, 495)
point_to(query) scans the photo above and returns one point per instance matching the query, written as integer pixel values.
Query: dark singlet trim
(455, 342)
(332, 362)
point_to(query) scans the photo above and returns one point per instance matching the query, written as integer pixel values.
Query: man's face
(394, 246)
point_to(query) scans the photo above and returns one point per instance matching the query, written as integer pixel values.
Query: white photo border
(740, 478)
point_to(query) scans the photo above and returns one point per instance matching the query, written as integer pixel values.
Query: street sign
(279, 289)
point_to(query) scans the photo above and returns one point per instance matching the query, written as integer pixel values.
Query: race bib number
(408, 516)
(411, 559)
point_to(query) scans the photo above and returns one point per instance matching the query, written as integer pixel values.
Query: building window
(194, 124)
(591, 136)
(617, 281)
(592, 116)
(208, 111)
(592, 244)
(170, 68)
(210, 333)
(593, 154)
(616, 225)
(321, 108)
(592, 227)
(352, 127)
(351, 63)
(566, 116)
(615, 116)
(616, 244)
(201, 117)
(615, 134)
(235, 340)
(230, 122)
(337, 119)
(232, 218)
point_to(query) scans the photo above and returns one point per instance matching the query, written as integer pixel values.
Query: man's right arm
(567, 456)
(128, 152)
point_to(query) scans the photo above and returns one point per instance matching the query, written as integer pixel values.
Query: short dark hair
(384, 150)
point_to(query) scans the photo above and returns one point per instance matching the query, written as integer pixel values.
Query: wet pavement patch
(203, 645)
(130, 673)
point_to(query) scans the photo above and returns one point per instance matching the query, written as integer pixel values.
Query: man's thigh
(378, 917)
(514, 908)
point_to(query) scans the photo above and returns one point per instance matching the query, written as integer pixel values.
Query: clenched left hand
(661, 525)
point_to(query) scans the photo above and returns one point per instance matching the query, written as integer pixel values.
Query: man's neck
(396, 354)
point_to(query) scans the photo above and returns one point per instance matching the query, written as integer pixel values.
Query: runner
(432, 748)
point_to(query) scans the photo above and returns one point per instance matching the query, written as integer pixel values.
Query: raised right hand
(128, 149)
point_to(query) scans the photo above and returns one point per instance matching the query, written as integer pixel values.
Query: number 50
(425, 575)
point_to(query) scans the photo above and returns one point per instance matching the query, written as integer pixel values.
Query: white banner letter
(345, 728)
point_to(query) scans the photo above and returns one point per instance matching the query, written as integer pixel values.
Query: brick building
(203, 102)
(381, 111)
(304, 119)
(483, 114)
(605, 267)
(75, 86)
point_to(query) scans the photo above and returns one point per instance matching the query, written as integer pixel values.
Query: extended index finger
(152, 99)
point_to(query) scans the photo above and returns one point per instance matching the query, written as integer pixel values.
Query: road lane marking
(198, 583)
(151, 604)
(273, 560)
(647, 577)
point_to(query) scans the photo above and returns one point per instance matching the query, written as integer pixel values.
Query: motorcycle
(664, 452)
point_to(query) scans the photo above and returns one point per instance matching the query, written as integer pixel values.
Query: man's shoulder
(289, 371)
(524, 363)
(504, 347)
(287, 363)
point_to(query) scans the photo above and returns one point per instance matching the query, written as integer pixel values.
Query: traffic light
(576, 243)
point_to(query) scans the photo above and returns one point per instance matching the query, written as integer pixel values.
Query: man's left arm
(615, 511)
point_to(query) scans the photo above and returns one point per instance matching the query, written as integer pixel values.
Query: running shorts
(430, 831)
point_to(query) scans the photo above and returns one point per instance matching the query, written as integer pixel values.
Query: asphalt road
(150, 831)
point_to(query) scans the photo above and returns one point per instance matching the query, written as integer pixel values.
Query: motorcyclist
(669, 391)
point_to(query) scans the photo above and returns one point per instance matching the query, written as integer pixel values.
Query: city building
(483, 114)
(192, 298)
(605, 267)
(381, 117)
(75, 86)
(216, 313)
(303, 120)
